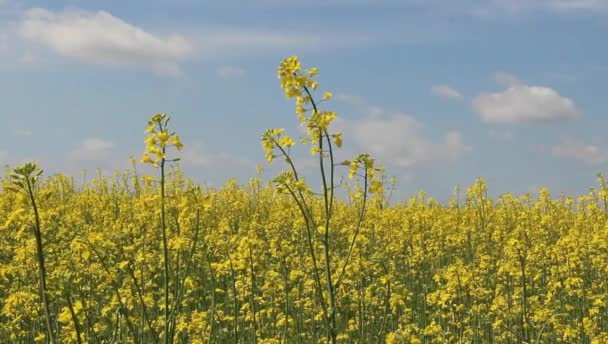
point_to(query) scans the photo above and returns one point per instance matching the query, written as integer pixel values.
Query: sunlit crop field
(135, 258)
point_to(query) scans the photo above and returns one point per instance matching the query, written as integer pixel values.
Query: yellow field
(142, 259)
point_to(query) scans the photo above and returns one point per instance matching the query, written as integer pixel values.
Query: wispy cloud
(446, 92)
(92, 149)
(523, 103)
(575, 149)
(398, 139)
(101, 38)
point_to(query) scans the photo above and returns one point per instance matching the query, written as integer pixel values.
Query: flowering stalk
(156, 154)
(301, 86)
(23, 180)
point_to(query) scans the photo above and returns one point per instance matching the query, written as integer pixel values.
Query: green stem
(74, 319)
(41, 266)
(357, 230)
(332, 334)
(165, 250)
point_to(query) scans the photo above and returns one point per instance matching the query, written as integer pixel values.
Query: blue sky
(440, 92)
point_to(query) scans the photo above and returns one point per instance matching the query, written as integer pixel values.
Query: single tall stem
(165, 248)
(41, 267)
(328, 195)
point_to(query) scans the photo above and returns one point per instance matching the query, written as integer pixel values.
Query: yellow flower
(175, 140)
(375, 187)
(145, 158)
(163, 137)
(286, 141)
(337, 139)
(312, 71)
(289, 66)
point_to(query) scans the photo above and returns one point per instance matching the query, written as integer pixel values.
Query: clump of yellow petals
(159, 139)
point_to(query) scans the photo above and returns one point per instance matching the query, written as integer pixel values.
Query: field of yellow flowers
(135, 258)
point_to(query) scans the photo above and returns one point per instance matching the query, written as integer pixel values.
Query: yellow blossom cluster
(503, 270)
(159, 139)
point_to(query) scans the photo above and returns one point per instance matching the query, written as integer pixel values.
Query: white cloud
(445, 91)
(574, 149)
(397, 138)
(92, 149)
(523, 103)
(99, 37)
(231, 72)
